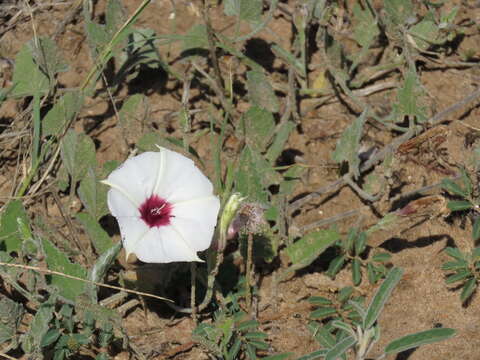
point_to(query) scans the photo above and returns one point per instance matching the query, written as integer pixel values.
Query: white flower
(164, 206)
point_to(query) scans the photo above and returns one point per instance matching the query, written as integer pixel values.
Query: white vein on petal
(202, 198)
(122, 191)
(186, 243)
(160, 171)
(140, 238)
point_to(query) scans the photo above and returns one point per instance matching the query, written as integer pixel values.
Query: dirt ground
(421, 301)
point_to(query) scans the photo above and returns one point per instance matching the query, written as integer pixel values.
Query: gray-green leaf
(421, 338)
(28, 79)
(58, 261)
(62, 113)
(261, 92)
(10, 236)
(78, 154)
(381, 297)
(348, 145)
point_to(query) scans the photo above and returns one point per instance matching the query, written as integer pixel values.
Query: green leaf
(141, 50)
(282, 356)
(476, 229)
(249, 179)
(381, 296)
(421, 338)
(409, 97)
(259, 127)
(459, 205)
(132, 117)
(381, 257)
(308, 248)
(319, 354)
(196, 38)
(246, 10)
(387, 222)
(250, 352)
(10, 236)
(345, 293)
(398, 11)
(78, 154)
(360, 243)
(39, 326)
(455, 265)
(468, 289)
(467, 183)
(348, 145)
(99, 237)
(278, 144)
(93, 194)
(259, 344)
(366, 29)
(340, 348)
(455, 253)
(50, 337)
(58, 261)
(461, 274)
(425, 33)
(365, 32)
(101, 266)
(249, 324)
(319, 301)
(11, 314)
(291, 179)
(289, 58)
(97, 37)
(260, 91)
(28, 79)
(356, 272)
(335, 266)
(322, 312)
(453, 188)
(343, 326)
(62, 113)
(114, 17)
(47, 56)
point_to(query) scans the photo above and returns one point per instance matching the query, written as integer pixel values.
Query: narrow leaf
(459, 205)
(319, 354)
(340, 348)
(356, 272)
(476, 229)
(421, 338)
(309, 247)
(381, 296)
(468, 289)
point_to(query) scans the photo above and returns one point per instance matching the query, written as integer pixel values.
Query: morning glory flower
(164, 206)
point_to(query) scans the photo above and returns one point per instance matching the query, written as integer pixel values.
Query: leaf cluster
(349, 325)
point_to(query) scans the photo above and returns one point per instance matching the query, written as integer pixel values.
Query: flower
(164, 206)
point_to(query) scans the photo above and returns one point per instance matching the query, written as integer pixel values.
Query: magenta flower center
(156, 211)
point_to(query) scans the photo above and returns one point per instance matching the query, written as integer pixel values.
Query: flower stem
(248, 272)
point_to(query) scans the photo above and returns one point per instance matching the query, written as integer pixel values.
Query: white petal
(121, 205)
(181, 179)
(163, 245)
(137, 176)
(133, 230)
(195, 220)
